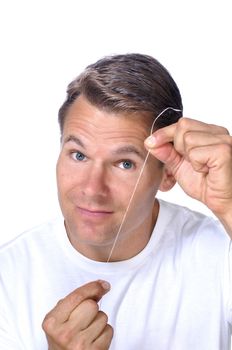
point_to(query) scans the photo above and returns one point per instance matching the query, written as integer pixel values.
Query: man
(125, 270)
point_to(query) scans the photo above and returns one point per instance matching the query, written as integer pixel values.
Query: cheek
(140, 195)
(141, 208)
(147, 189)
(143, 196)
(64, 177)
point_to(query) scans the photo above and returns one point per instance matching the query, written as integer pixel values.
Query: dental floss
(137, 183)
(229, 257)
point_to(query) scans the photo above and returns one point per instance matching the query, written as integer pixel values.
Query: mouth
(94, 213)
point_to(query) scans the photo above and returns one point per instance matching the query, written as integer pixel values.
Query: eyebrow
(72, 138)
(127, 149)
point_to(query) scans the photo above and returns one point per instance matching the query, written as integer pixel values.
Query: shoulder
(193, 241)
(27, 243)
(184, 224)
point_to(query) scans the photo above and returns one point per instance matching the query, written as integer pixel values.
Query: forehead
(82, 116)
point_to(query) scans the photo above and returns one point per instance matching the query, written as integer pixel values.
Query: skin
(100, 160)
(200, 159)
(196, 155)
(76, 322)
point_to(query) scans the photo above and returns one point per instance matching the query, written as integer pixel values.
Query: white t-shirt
(174, 295)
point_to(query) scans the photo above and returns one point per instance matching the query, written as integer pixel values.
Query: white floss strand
(137, 183)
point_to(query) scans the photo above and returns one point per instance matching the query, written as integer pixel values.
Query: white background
(45, 44)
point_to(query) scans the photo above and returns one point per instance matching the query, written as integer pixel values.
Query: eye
(126, 164)
(78, 156)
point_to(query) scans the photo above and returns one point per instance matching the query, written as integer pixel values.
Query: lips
(94, 212)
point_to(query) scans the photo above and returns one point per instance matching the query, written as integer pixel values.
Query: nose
(95, 183)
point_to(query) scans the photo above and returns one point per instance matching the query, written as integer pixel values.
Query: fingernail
(150, 141)
(105, 285)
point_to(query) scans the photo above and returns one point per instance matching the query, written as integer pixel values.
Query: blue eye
(126, 164)
(78, 156)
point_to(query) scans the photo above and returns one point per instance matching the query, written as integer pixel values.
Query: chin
(88, 235)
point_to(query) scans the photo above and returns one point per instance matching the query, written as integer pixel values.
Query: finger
(104, 340)
(168, 155)
(198, 141)
(83, 327)
(61, 312)
(213, 158)
(194, 139)
(86, 336)
(175, 132)
(83, 315)
(161, 136)
(98, 325)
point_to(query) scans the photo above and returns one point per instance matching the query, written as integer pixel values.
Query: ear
(168, 180)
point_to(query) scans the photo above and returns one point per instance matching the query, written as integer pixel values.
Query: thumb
(166, 153)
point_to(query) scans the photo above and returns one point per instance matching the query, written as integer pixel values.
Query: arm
(200, 158)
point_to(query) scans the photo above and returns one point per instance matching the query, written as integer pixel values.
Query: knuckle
(60, 302)
(109, 333)
(48, 323)
(183, 123)
(188, 138)
(63, 337)
(110, 330)
(76, 297)
(218, 129)
(223, 130)
(67, 338)
(72, 298)
(71, 340)
(103, 317)
(229, 140)
(91, 305)
(226, 150)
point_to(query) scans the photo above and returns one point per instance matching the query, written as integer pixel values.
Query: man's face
(100, 161)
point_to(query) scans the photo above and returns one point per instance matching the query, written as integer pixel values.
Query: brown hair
(127, 83)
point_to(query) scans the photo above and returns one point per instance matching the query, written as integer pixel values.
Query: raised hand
(199, 156)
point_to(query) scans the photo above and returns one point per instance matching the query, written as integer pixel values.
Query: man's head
(127, 83)
(107, 116)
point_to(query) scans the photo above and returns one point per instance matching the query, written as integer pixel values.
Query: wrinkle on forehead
(85, 124)
(83, 111)
(103, 125)
(120, 150)
(127, 138)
